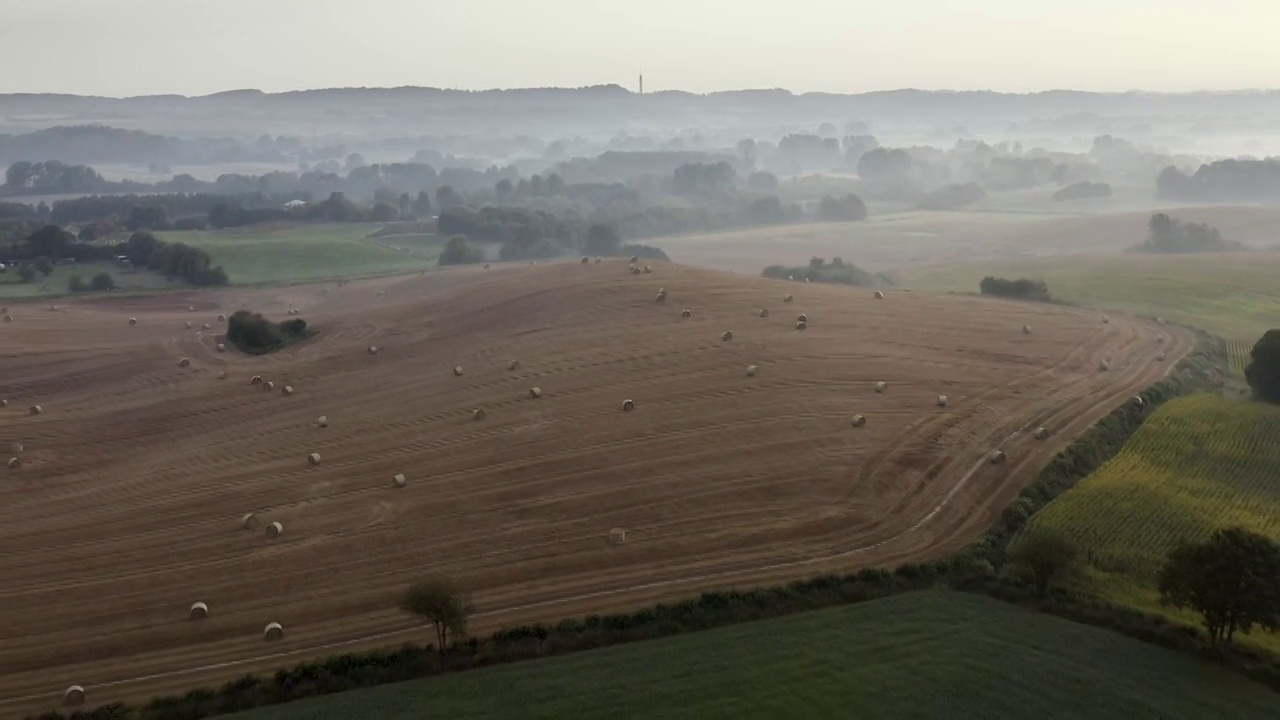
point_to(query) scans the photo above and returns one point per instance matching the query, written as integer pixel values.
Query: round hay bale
(661, 297)
(585, 259)
(14, 463)
(879, 295)
(273, 632)
(373, 349)
(1041, 433)
(398, 480)
(787, 298)
(54, 308)
(73, 696)
(635, 270)
(1137, 400)
(726, 336)
(880, 386)
(323, 421)
(647, 269)
(477, 414)
(996, 457)
(255, 380)
(1026, 329)
(222, 318)
(686, 313)
(807, 280)
(859, 421)
(1160, 357)
(801, 325)
(184, 363)
(618, 536)
(513, 364)
(457, 371)
(1105, 319)
(597, 260)
(802, 318)
(8, 318)
(628, 405)
(249, 521)
(1104, 366)
(36, 409)
(486, 266)
(268, 386)
(942, 401)
(1160, 339)
(191, 308)
(222, 347)
(187, 324)
(791, 277)
(314, 458)
(4, 403)
(764, 312)
(199, 611)
(222, 375)
(274, 530)
(535, 392)
(752, 370)
(634, 259)
(287, 390)
(133, 321)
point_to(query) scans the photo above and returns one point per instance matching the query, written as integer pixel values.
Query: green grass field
(1233, 295)
(932, 654)
(56, 283)
(310, 252)
(1199, 463)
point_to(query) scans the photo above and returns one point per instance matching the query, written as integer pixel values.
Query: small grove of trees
(949, 197)
(441, 603)
(250, 332)
(1263, 370)
(459, 252)
(190, 264)
(837, 271)
(849, 208)
(1169, 235)
(1044, 557)
(1020, 289)
(1232, 580)
(99, 283)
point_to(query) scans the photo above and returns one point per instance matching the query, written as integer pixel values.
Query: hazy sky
(192, 47)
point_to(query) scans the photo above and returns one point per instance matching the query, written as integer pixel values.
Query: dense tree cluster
(1020, 289)
(250, 332)
(1223, 180)
(1169, 235)
(1083, 190)
(836, 271)
(1263, 370)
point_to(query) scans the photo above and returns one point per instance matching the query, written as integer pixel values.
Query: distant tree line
(1020, 289)
(1083, 190)
(176, 260)
(836, 271)
(1169, 235)
(1223, 180)
(950, 197)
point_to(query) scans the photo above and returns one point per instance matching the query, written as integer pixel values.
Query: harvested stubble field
(135, 477)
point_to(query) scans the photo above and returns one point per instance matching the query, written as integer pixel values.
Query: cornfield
(1199, 463)
(1238, 354)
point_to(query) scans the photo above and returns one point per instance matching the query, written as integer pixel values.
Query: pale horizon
(153, 47)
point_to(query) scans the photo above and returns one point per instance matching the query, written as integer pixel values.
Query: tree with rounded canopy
(1263, 372)
(1232, 580)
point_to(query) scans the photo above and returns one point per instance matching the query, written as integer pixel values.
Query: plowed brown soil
(127, 508)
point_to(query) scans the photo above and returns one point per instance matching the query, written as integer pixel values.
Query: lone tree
(1044, 556)
(439, 602)
(1263, 372)
(1232, 580)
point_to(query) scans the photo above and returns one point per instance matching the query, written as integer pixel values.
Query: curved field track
(127, 508)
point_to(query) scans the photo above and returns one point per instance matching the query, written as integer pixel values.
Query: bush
(1020, 289)
(26, 273)
(644, 252)
(1263, 370)
(77, 284)
(251, 333)
(102, 281)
